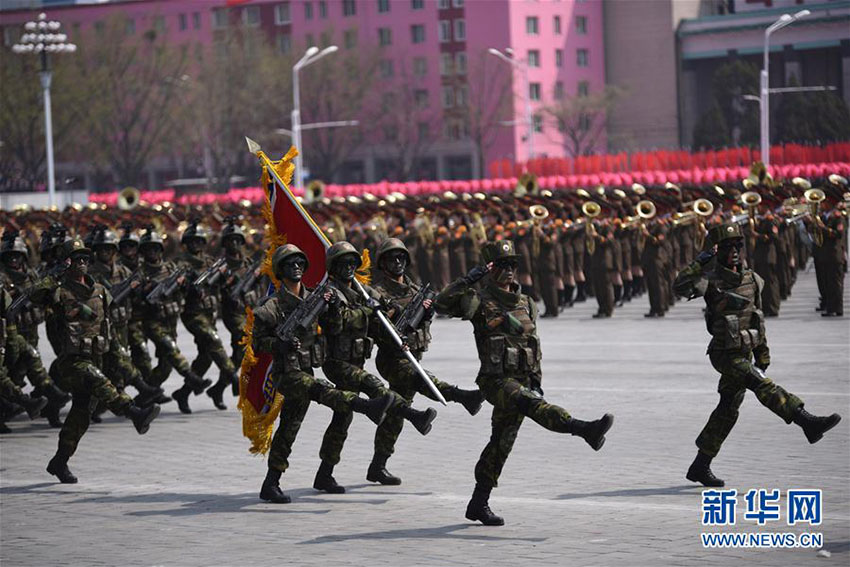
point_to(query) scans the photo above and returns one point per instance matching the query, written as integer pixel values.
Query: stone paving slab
(186, 493)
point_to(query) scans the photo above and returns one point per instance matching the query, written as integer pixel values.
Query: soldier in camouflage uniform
(160, 323)
(734, 318)
(22, 356)
(200, 312)
(504, 320)
(117, 364)
(128, 256)
(292, 370)
(345, 325)
(81, 306)
(397, 289)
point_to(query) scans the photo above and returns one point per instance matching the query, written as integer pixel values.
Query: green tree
(793, 116)
(728, 85)
(711, 132)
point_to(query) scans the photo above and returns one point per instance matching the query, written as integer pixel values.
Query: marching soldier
(128, 255)
(199, 313)
(398, 290)
(733, 298)
(293, 367)
(159, 320)
(603, 267)
(345, 325)
(833, 262)
(504, 320)
(81, 307)
(654, 259)
(765, 257)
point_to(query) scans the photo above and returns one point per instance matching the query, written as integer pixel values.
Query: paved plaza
(186, 493)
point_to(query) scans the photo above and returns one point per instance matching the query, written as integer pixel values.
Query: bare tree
(582, 119)
(489, 101)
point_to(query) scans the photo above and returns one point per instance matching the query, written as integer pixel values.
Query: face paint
(394, 262)
(729, 253)
(344, 268)
(195, 246)
(128, 250)
(105, 254)
(80, 263)
(292, 268)
(15, 262)
(153, 254)
(232, 246)
(504, 271)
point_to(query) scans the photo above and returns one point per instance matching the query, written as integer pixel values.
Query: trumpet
(751, 200)
(700, 208)
(814, 197)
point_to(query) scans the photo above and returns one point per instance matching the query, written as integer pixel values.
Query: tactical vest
(30, 318)
(509, 347)
(352, 344)
(736, 322)
(401, 295)
(119, 313)
(313, 349)
(170, 307)
(198, 300)
(83, 335)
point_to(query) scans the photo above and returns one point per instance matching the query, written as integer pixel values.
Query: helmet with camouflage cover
(340, 250)
(195, 230)
(74, 246)
(494, 251)
(725, 231)
(12, 244)
(151, 238)
(284, 252)
(388, 245)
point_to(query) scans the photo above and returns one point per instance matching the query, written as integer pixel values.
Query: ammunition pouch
(306, 357)
(88, 347)
(418, 340)
(351, 349)
(119, 314)
(503, 357)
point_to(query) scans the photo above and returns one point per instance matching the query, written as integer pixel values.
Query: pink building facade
(436, 42)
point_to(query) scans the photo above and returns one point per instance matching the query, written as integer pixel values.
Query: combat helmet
(494, 251)
(12, 243)
(74, 246)
(195, 230)
(128, 235)
(284, 252)
(151, 238)
(388, 245)
(104, 237)
(337, 251)
(725, 231)
(232, 230)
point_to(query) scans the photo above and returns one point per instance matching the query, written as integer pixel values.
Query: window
(281, 14)
(556, 24)
(583, 88)
(581, 25)
(584, 122)
(445, 4)
(559, 58)
(423, 130)
(251, 15)
(460, 62)
(219, 17)
(159, 24)
(182, 22)
(448, 97)
(457, 3)
(420, 66)
(460, 30)
(417, 4)
(446, 63)
(581, 57)
(383, 6)
(417, 33)
(460, 96)
(323, 9)
(533, 58)
(445, 31)
(349, 38)
(420, 97)
(385, 67)
(130, 26)
(349, 7)
(196, 20)
(538, 123)
(385, 36)
(284, 43)
(534, 91)
(308, 10)
(531, 25)
(559, 90)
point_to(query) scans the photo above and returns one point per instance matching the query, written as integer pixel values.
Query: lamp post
(311, 56)
(783, 21)
(529, 117)
(42, 37)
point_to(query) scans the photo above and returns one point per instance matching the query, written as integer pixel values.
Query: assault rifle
(413, 314)
(210, 275)
(303, 315)
(246, 282)
(23, 301)
(122, 289)
(166, 287)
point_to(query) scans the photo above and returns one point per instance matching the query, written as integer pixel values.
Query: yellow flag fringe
(364, 272)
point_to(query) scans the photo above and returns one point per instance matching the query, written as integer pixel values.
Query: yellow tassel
(364, 272)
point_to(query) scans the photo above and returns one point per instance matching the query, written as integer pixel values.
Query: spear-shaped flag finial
(253, 146)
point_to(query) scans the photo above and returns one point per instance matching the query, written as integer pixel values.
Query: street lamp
(42, 37)
(522, 66)
(311, 56)
(783, 21)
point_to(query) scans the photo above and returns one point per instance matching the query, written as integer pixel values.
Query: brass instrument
(339, 228)
(836, 179)
(802, 183)
(590, 210)
(646, 210)
(814, 197)
(638, 189)
(128, 198)
(751, 200)
(538, 214)
(526, 185)
(477, 231)
(314, 192)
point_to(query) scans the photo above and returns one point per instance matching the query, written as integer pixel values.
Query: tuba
(128, 198)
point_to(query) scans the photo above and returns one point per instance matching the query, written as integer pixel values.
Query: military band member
(505, 326)
(738, 349)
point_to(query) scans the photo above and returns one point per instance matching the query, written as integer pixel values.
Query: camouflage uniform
(504, 322)
(136, 340)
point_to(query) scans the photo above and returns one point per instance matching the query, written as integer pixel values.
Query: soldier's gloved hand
(477, 273)
(762, 357)
(705, 256)
(324, 382)
(86, 313)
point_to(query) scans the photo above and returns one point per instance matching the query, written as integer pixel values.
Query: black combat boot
(181, 396)
(196, 383)
(216, 392)
(421, 420)
(33, 405)
(618, 295)
(142, 417)
(814, 426)
(478, 509)
(4, 428)
(568, 295)
(593, 432)
(627, 291)
(58, 467)
(700, 471)
(148, 394)
(271, 492)
(471, 400)
(234, 386)
(325, 480)
(56, 400)
(375, 409)
(582, 294)
(378, 472)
